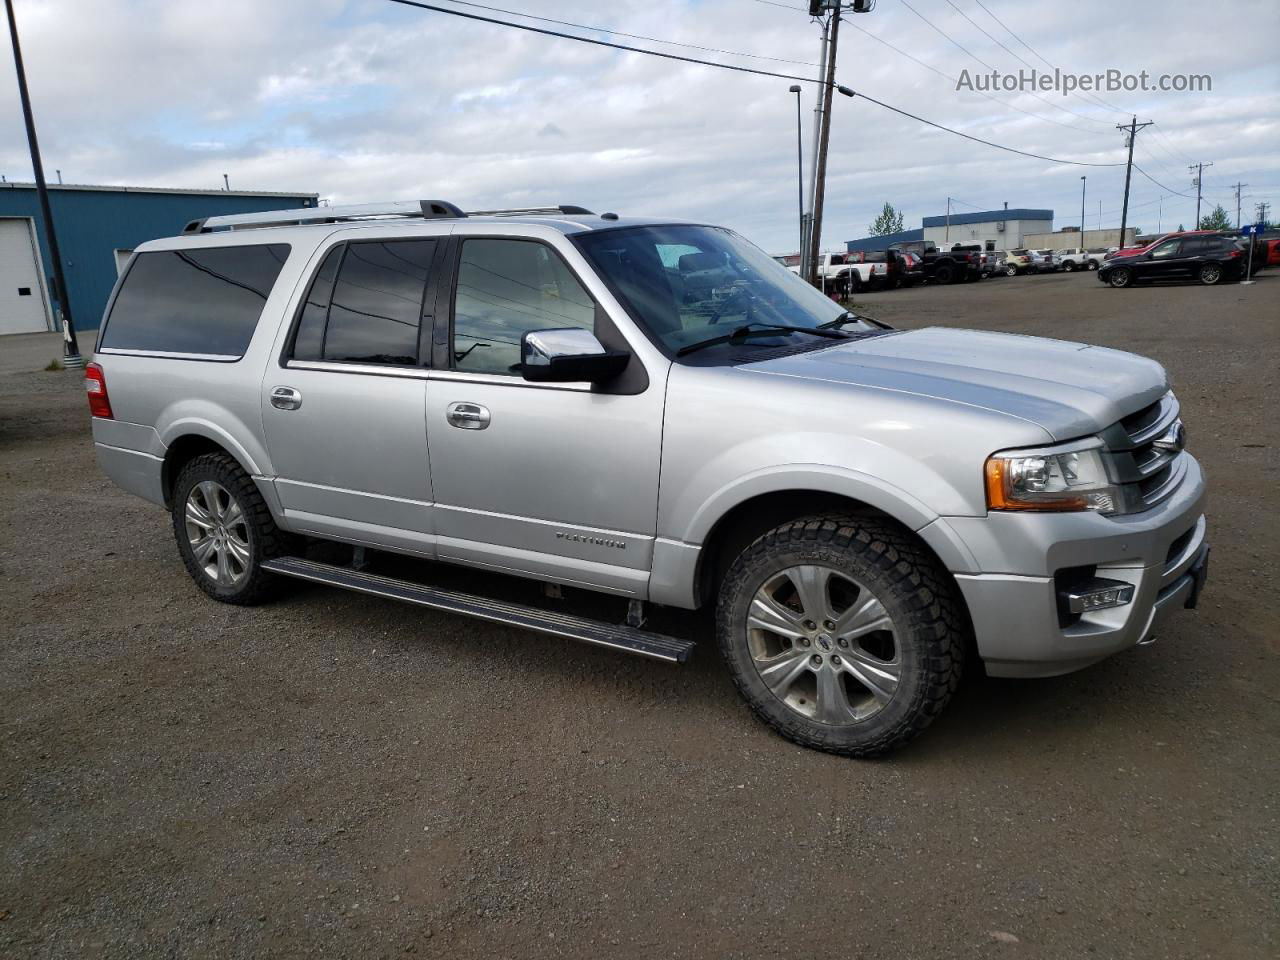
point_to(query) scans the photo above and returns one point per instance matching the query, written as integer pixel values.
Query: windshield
(688, 284)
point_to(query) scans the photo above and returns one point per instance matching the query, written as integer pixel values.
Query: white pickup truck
(843, 274)
(1077, 258)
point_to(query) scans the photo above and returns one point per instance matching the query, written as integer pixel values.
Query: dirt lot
(337, 776)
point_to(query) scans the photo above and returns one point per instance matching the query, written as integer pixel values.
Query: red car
(1273, 251)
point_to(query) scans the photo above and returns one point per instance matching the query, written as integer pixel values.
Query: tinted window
(376, 307)
(1169, 248)
(308, 341)
(506, 287)
(201, 300)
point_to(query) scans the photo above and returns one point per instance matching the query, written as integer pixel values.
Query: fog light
(1098, 594)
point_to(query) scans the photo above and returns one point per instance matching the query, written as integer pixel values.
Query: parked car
(1018, 262)
(953, 266)
(843, 274)
(1208, 259)
(654, 411)
(1148, 245)
(912, 270)
(895, 272)
(1044, 260)
(1077, 258)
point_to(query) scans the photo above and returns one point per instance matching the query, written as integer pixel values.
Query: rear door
(343, 407)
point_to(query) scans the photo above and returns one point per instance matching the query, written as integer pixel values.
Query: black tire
(1209, 274)
(853, 284)
(1093, 264)
(264, 539)
(1069, 266)
(1121, 277)
(945, 274)
(1010, 271)
(918, 596)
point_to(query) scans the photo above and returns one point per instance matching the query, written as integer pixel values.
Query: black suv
(1206, 258)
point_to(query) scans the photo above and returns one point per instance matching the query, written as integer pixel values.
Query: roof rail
(422, 209)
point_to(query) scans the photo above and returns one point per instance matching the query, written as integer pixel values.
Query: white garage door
(22, 306)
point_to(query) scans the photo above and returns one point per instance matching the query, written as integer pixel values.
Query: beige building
(1064, 239)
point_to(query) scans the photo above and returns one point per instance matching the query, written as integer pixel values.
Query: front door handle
(285, 398)
(468, 416)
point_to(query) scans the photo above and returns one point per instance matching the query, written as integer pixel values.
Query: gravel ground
(332, 775)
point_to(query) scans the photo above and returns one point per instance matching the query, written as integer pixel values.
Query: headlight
(1070, 477)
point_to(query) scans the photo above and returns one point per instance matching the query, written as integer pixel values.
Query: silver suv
(657, 411)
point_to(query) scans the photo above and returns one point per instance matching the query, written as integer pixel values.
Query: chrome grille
(1144, 456)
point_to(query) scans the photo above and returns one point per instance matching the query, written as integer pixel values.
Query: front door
(556, 481)
(1168, 261)
(344, 411)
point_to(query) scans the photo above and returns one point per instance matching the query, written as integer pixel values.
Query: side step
(614, 636)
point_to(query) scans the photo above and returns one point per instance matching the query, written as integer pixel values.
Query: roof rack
(421, 209)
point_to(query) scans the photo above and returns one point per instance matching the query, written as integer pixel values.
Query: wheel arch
(742, 522)
(186, 441)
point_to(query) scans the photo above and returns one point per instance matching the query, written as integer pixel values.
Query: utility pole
(1239, 187)
(1083, 183)
(820, 165)
(1132, 129)
(808, 256)
(1262, 212)
(1195, 182)
(70, 348)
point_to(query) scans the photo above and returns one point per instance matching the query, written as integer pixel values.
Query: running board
(613, 636)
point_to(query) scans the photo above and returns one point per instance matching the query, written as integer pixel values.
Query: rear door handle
(285, 398)
(468, 416)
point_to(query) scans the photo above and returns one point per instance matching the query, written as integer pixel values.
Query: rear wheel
(1121, 277)
(1011, 271)
(1210, 274)
(224, 530)
(841, 633)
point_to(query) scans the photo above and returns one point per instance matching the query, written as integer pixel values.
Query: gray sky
(367, 100)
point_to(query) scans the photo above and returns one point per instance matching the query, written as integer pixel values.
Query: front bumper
(1020, 627)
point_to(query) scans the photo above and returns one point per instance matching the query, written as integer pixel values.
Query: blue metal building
(97, 229)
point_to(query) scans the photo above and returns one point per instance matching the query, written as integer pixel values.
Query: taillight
(95, 385)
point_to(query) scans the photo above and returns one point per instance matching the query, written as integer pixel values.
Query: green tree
(1216, 219)
(889, 221)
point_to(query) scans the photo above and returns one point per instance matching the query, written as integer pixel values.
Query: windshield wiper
(849, 317)
(748, 329)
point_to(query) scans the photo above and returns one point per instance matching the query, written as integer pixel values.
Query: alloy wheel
(824, 644)
(218, 533)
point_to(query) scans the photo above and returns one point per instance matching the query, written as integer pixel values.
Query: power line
(1035, 53)
(418, 4)
(633, 36)
(989, 143)
(973, 55)
(1187, 196)
(947, 76)
(989, 36)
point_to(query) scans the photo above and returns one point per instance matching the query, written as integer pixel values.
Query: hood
(1069, 389)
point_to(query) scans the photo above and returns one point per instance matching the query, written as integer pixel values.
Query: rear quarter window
(201, 300)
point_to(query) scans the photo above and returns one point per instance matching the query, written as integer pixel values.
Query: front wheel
(944, 274)
(1120, 277)
(1210, 274)
(1069, 266)
(1011, 271)
(841, 633)
(224, 530)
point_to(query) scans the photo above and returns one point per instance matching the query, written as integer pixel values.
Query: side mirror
(568, 355)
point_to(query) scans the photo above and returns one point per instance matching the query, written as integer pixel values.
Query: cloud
(364, 100)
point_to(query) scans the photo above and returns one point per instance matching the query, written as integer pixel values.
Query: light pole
(1082, 189)
(70, 348)
(795, 88)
